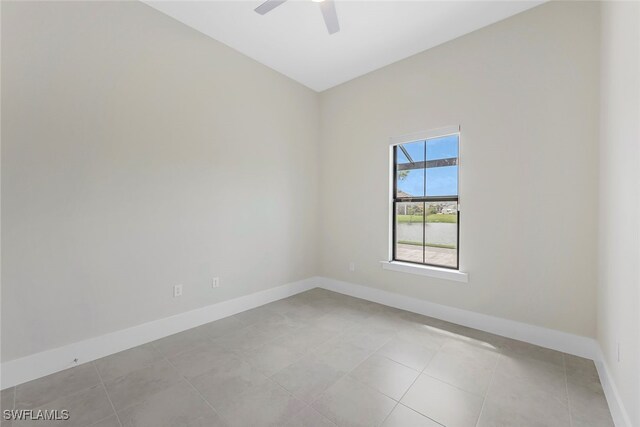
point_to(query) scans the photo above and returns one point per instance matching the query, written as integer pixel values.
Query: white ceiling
(293, 40)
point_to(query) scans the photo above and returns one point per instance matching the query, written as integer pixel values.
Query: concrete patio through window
(432, 255)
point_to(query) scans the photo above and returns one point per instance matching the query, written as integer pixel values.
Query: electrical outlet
(352, 266)
(215, 282)
(177, 291)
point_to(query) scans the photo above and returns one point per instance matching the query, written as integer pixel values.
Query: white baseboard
(619, 413)
(38, 365)
(544, 337)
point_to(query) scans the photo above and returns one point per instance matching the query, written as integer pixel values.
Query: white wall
(619, 237)
(525, 93)
(137, 154)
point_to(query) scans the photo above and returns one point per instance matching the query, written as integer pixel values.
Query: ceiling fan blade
(328, 8)
(268, 6)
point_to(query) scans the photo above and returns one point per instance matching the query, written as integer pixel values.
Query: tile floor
(324, 359)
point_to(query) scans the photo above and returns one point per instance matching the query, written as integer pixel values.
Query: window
(425, 201)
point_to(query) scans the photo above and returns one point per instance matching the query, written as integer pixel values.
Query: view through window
(425, 202)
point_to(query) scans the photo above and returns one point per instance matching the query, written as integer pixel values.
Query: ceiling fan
(327, 7)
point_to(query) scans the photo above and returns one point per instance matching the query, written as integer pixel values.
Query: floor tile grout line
(316, 398)
(391, 412)
(297, 398)
(271, 340)
(417, 412)
(321, 414)
(70, 394)
(375, 353)
(399, 363)
(486, 393)
(436, 352)
(348, 373)
(185, 379)
(291, 364)
(452, 385)
(309, 353)
(104, 387)
(105, 418)
(399, 401)
(401, 397)
(302, 355)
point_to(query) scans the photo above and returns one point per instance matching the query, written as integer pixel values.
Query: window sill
(426, 270)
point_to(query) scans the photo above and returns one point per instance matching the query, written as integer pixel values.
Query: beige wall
(524, 92)
(619, 243)
(137, 154)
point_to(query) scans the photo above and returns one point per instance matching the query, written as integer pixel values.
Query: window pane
(415, 150)
(441, 234)
(442, 181)
(410, 171)
(445, 147)
(410, 183)
(409, 232)
(442, 176)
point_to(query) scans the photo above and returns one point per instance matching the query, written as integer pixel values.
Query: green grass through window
(433, 218)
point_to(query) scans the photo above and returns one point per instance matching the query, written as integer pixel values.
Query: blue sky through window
(413, 183)
(415, 150)
(442, 148)
(441, 181)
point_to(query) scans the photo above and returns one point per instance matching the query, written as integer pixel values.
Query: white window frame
(405, 267)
